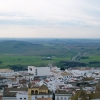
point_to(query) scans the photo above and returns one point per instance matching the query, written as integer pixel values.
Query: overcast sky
(50, 18)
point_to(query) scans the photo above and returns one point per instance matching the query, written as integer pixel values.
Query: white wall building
(67, 75)
(22, 96)
(39, 71)
(9, 98)
(80, 72)
(10, 94)
(62, 95)
(6, 72)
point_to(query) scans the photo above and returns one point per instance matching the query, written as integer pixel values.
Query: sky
(49, 18)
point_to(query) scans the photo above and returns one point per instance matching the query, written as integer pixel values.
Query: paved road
(77, 57)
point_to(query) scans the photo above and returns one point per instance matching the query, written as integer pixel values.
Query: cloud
(50, 18)
(56, 11)
(20, 31)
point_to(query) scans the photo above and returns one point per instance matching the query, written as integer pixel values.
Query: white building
(39, 92)
(10, 93)
(80, 72)
(22, 96)
(39, 71)
(6, 72)
(62, 95)
(67, 75)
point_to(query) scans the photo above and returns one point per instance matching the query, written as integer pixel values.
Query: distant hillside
(17, 47)
(25, 48)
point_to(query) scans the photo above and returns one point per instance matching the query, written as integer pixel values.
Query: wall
(62, 97)
(41, 71)
(9, 98)
(6, 73)
(40, 96)
(18, 96)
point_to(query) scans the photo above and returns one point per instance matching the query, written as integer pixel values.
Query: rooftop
(11, 92)
(66, 73)
(44, 99)
(80, 94)
(63, 92)
(6, 70)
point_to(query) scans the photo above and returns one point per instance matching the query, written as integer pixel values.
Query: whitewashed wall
(9, 98)
(23, 96)
(40, 96)
(62, 97)
(41, 71)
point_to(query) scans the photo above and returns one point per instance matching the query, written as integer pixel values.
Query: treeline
(72, 64)
(17, 67)
(83, 57)
(94, 62)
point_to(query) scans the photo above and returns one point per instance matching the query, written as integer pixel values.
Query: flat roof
(6, 70)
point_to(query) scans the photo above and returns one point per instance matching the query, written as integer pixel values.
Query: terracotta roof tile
(44, 98)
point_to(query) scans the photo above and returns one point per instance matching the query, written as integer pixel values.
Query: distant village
(50, 83)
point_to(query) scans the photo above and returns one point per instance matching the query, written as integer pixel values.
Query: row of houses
(50, 83)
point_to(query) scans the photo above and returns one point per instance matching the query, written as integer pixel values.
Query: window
(24, 98)
(30, 69)
(57, 98)
(35, 71)
(20, 98)
(61, 98)
(35, 96)
(42, 96)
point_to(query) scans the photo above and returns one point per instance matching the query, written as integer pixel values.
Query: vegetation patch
(41, 52)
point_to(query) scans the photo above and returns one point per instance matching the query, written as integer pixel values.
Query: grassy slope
(24, 48)
(26, 60)
(23, 53)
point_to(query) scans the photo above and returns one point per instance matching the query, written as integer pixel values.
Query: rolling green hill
(34, 52)
(25, 48)
(20, 53)
(18, 47)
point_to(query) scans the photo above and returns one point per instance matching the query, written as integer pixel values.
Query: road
(77, 57)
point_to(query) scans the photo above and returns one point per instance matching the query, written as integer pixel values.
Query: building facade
(39, 71)
(39, 92)
(62, 95)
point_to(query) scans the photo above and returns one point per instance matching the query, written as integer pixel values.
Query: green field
(25, 53)
(32, 52)
(92, 59)
(27, 60)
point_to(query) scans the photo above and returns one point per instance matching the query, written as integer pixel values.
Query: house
(62, 95)
(6, 72)
(32, 93)
(88, 79)
(67, 75)
(39, 71)
(81, 71)
(94, 96)
(29, 77)
(10, 93)
(22, 95)
(98, 86)
(1, 97)
(36, 92)
(26, 75)
(80, 95)
(44, 99)
(55, 73)
(83, 95)
(3, 82)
